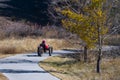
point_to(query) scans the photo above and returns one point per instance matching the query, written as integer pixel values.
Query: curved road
(25, 67)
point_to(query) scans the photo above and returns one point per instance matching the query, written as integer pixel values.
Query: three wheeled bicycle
(41, 50)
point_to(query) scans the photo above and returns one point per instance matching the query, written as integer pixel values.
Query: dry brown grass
(11, 46)
(2, 77)
(69, 69)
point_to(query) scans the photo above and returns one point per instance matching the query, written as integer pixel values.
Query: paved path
(25, 67)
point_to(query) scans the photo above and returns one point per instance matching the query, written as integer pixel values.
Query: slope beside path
(25, 67)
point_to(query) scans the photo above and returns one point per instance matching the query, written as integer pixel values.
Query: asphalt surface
(25, 67)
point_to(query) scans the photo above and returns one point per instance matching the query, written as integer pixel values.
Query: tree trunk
(85, 53)
(98, 61)
(99, 50)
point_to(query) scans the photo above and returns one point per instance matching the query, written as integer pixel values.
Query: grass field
(65, 68)
(11, 46)
(69, 69)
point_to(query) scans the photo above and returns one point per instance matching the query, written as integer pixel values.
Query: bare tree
(56, 6)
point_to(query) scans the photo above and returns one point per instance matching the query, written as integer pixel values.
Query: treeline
(112, 8)
(39, 11)
(41, 16)
(34, 11)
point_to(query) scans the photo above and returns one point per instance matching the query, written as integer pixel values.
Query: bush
(113, 40)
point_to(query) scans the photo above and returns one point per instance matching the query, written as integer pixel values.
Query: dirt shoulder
(2, 77)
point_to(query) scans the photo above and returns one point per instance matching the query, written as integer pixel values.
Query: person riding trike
(43, 48)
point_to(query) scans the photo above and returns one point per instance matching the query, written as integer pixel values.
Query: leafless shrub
(19, 29)
(22, 29)
(113, 53)
(92, 56)
(76, 56)
(2, 34)
(54, 32)
(79, 56)
(113, 40)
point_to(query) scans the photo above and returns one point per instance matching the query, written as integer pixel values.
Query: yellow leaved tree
(89, 25)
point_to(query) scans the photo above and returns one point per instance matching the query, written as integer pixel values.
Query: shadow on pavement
(21, 71)
(10, 61)
(25, 71)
